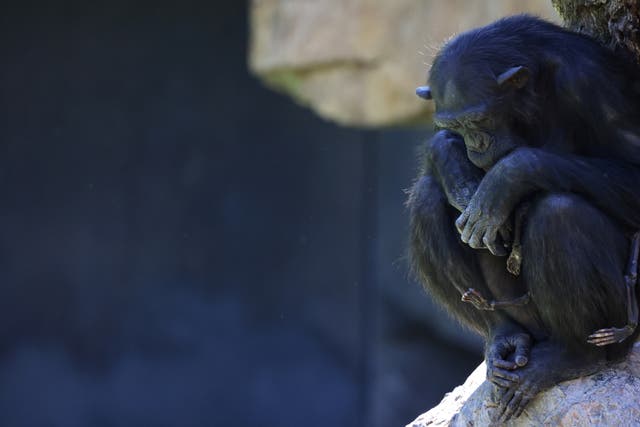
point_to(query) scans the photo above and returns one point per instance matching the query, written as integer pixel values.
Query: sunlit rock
(607, 398)
(358, 62)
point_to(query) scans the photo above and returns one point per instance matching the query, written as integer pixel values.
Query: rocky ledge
(607, 398)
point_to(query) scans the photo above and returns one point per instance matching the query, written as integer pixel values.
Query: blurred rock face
(358, 62)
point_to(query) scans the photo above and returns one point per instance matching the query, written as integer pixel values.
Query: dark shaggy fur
(565, 139)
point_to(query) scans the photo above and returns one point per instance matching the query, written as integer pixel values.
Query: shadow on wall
(180, 247)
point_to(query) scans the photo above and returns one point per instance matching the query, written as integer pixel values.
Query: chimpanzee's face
(476, 110)
(480, 123)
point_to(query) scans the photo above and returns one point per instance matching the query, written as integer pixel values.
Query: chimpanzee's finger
(602, 337)
(497, 393)
(523, 404)
(522, 344)
(467, 232)
(504, 364)
(602, 341)
(461, 222)
(504, 402)
(475, 240)
(512, 406)
(500, 382)
(601, 333)
(492, 242)
(507, 375)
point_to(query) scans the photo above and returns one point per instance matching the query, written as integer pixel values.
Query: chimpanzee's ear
(423, 92)
(515, 77)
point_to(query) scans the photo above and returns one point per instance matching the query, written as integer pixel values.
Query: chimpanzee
(537, 149)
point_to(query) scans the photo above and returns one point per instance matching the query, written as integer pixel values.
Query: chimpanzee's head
(480, 95)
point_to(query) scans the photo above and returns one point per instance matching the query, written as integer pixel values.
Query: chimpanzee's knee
(432, 218)
(445, 266)
(573, 264)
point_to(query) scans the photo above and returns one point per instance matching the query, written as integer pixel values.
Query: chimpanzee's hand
(505, 354)
(484, 220)
(483, 223)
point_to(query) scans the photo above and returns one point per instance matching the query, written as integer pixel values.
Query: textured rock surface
(358, 61)
(614, 22)
(608, 398)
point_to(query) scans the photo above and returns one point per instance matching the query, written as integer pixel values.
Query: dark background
(179, 246)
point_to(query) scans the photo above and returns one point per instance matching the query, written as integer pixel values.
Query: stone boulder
(607, 398)
(358, 62)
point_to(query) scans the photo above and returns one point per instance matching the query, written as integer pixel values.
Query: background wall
(357, 62)
(181, 247)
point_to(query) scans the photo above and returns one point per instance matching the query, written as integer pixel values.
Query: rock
(358, 61)
(607, 398)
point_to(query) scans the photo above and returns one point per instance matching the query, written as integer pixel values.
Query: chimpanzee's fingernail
(521, 360)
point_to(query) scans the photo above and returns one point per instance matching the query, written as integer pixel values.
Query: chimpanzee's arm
(447, 160)
(610, 184)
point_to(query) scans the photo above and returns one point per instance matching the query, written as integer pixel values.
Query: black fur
(564, 138)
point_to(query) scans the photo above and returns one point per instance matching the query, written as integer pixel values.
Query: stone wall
(358, 62)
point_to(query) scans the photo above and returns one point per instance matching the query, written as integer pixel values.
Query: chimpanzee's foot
(548, 365)
(504, 354)
(610, 336)
(476, 299)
